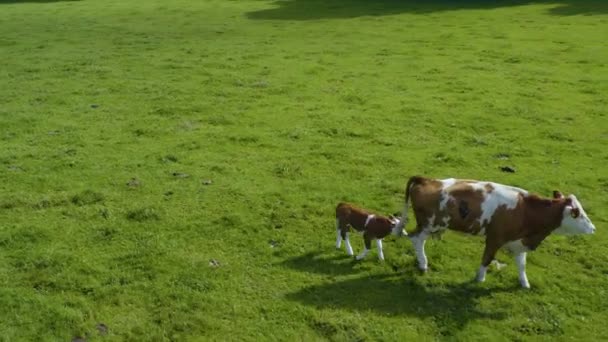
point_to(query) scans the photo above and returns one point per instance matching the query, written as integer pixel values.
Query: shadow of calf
(333, 264)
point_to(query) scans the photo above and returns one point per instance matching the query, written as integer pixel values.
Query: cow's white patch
(482, 231)
(445, 198)
(502, 195)
(338, 238)
(369, 219)
(516, 247)
(446, 221)
(431, 220)
(380, 253)
(448, 182)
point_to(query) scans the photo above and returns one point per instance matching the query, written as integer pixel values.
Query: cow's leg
(488, 255)
(520, 259)
(338, 234)
(418, 240)
(380, 252)
(368, 246)
(349, 248)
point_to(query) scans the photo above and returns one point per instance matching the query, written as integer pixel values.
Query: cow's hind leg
(418, 240)
(488, 255)
(520, 259)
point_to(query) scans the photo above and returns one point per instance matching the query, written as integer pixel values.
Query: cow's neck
(541, 218)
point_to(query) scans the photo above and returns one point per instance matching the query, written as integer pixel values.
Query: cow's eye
(575, 212)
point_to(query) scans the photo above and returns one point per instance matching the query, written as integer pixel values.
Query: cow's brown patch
(463, 192)
(489, 188)
(426, 196)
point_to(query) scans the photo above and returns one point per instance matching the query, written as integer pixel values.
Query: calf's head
(398, 229)
(574, 218)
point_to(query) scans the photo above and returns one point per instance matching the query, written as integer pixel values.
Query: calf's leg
(380, 252)
(349, 248)
(368, 246)
(338, 234)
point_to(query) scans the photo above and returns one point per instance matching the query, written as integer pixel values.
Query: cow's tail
(410, 183)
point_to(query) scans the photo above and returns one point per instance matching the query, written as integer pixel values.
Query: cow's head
(574, 217)
(398, 228)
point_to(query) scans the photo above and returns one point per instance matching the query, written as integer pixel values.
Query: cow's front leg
(520, 259)
(418, 241)
(380, 252)
(488, 255)
(368, 246)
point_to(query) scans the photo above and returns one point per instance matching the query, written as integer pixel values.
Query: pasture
(169, 169)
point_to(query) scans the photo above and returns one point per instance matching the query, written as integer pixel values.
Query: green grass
(170, 168)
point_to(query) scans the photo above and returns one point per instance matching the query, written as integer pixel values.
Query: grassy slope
(269, 101)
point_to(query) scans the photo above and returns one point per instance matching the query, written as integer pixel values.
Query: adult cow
(507, 216)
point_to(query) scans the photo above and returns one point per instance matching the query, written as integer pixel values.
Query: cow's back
(467, 206)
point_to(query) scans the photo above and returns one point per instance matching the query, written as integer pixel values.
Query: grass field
(169, 169)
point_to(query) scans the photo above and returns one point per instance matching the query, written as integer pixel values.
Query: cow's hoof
(498, 265)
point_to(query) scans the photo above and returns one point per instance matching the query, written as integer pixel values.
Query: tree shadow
(33, 1)
(451, 306)
(336, 9)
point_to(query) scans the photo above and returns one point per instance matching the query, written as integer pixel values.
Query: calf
(372, 226)
(506, 216)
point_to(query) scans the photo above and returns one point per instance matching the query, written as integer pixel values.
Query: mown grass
(168, 170)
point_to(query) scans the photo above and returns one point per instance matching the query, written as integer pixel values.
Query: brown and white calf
(372, 226)
(507, 216)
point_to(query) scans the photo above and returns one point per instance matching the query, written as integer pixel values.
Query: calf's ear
(557, 194)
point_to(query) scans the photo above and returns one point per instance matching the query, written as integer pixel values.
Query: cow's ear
(557, 194)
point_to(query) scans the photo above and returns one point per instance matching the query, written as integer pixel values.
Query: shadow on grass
(33, 1)
(451, 306)
(339, 263)
(335, 9)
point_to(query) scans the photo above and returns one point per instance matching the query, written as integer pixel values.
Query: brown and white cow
(507, 216)
(371, 225)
